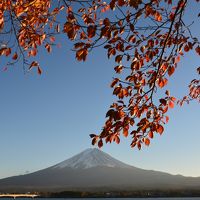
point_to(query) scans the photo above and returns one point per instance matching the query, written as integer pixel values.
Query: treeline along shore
(122, 194)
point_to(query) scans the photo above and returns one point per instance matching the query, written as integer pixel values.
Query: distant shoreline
(123, 194)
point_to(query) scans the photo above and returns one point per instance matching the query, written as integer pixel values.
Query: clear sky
(47, 119)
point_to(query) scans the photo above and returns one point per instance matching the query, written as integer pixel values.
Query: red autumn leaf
(197, 49)
(34, 64)
(100, 143)
(133, 144)
(167, 92)
(135, 3)
(1, 22)
(33, 52)
(118, 58)
(165, 109)
(81, 54)
(171, 16)
(121, 2)
(158, 16)
(173, 98)
(171, 70)
(186, 48)
(7, 51)
(52, 39)
(48, 48)
(169, 1)
(79, 45)
(178, 58)
(147, 141)
(166, 119)
(15, 56)
(148, 37)
(139, 145)
(162, 82)
(94, 141)
(39, 70)
(150, 134)
(160, 129)
(171, 104)
(163, 101)
(125, 132)
(119, 69)
(106, 8)
(110, 113)
(132, 39)
(91, 31)
(198, 70)
(117, 139)
(114, 82)
(70, 30)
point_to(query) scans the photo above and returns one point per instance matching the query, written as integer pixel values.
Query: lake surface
(175, 198)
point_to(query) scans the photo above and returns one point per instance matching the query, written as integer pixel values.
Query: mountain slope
(95, 169)
(91, 158)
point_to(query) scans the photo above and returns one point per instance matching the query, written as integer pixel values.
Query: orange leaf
(81, 54)
(94, 140)
(173, 98)
(186, 48)
(8, 51)
(34, 64)
(119, 69)
(197, 49)
(114, 82)
(15, 56)
(106, 8)
(100, 143)
(147, 141)
(150, 134)
(162, 82)
(171, 16)
(171, 104)
(139, 145)
(91, 31)
(121, 2)
(52, 39)
(118, 58)
(33, 52)
(160, 129)
(48, 47)
(171, 70)
(165, 109)
(178, 58)
(132, 39)
(158, 16)
(167, 119)
(117, 139)
(125, 132)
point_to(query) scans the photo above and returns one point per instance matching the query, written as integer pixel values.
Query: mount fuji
(91, 158)
(93, 169)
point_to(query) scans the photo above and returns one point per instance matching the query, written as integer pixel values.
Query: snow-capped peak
(91, 158)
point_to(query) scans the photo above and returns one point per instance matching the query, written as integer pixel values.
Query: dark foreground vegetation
(122, 194)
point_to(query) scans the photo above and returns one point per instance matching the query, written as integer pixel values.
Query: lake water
(175, 198)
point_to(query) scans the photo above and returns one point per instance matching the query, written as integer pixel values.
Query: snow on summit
(91, 158)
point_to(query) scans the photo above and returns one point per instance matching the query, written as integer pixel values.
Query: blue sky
(46, 119)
